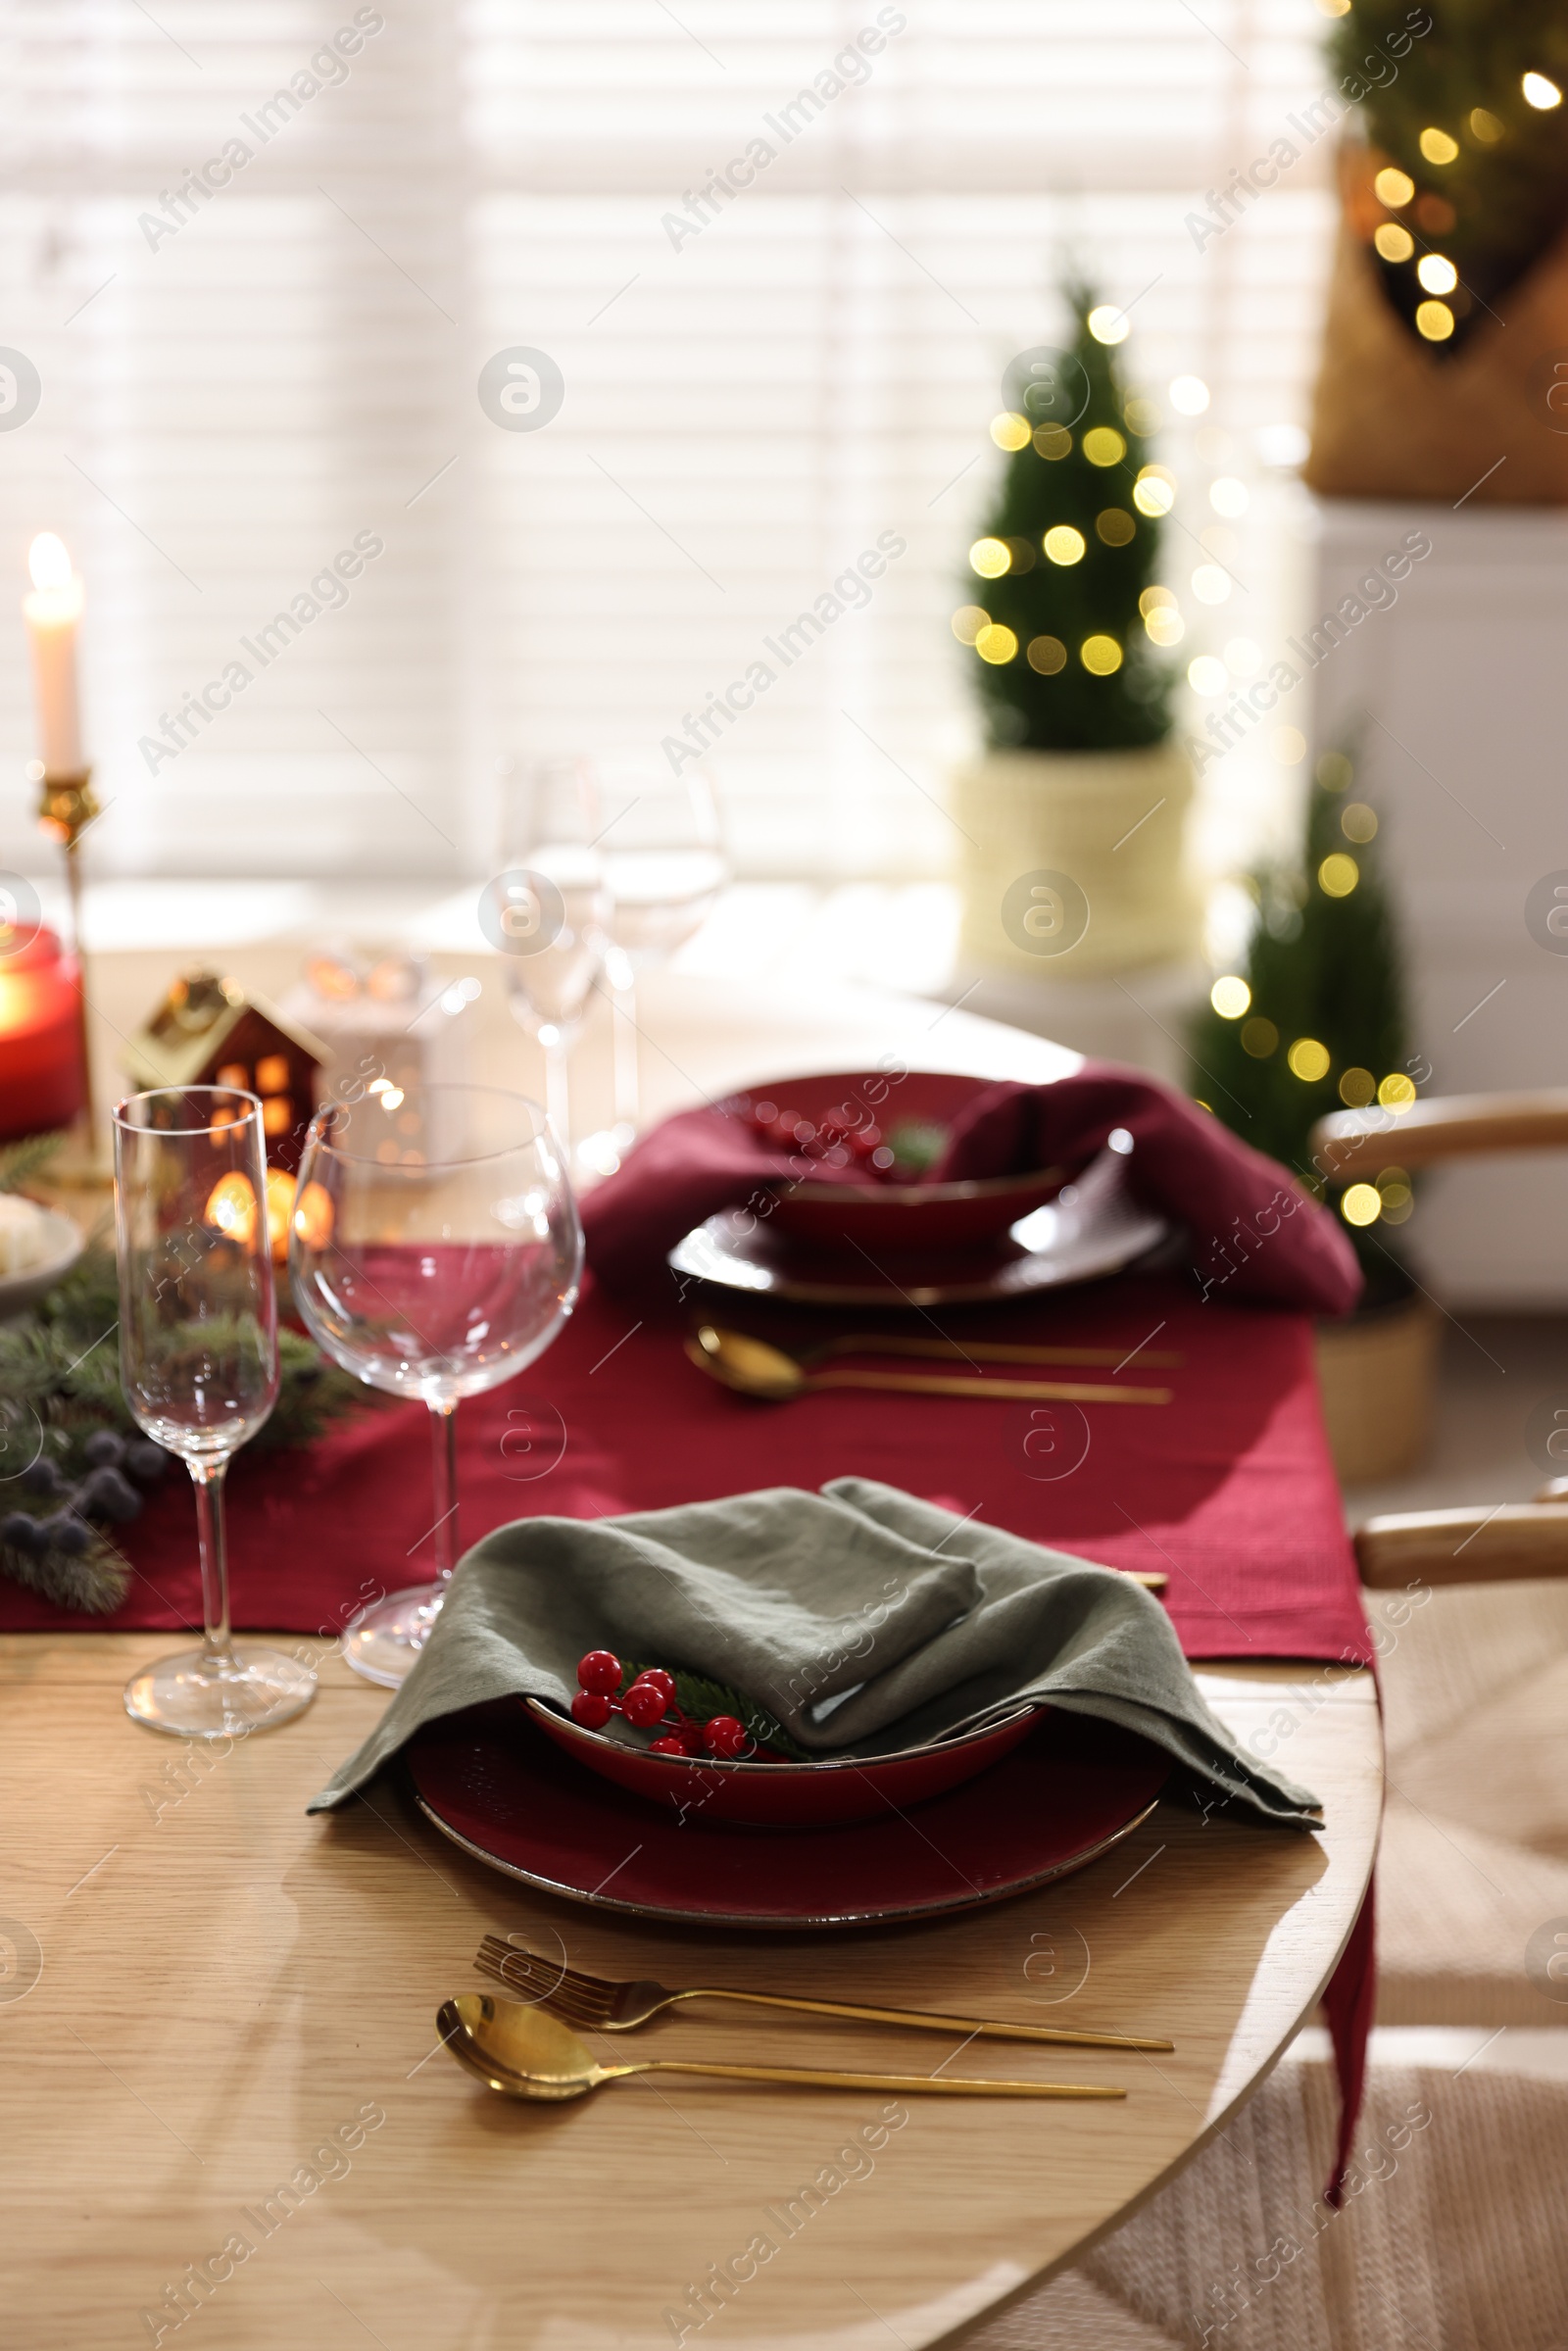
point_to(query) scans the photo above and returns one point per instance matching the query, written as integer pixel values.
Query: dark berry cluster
(648, 1703)
(64, 1509)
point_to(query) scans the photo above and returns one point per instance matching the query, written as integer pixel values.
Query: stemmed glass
(664, 866)
(435, 1251)
(198, 1361)
(547, 911)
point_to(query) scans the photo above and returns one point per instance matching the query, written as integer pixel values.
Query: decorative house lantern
(208, 1031)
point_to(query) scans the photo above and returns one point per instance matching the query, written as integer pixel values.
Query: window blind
(262, 255)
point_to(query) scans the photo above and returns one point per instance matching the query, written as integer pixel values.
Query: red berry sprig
(648, 1702)
(838, 1139)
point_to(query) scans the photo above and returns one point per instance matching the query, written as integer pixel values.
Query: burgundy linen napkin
(1253, 1234)
(683, 1171)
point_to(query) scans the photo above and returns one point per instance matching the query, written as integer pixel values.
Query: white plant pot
(1073, 862)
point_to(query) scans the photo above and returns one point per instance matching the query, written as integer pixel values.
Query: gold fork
(989, 1350)
(608, 2007)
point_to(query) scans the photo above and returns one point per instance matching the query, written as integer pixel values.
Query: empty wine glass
(198, 1361)
(545, 912)
(435, 1251)
(664, 865)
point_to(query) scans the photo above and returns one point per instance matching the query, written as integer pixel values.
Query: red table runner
(1228, 1489)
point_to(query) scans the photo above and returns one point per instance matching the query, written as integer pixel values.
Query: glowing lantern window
(279, 1202)
(232, 1208)
(313, 1216)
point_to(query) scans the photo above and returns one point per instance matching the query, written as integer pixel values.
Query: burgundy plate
(787, 1796)
(493, 1783)
(1092, 1229)
(901, 1219)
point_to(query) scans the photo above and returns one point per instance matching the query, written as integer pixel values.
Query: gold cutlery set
(526, 2048)
(755, 1367)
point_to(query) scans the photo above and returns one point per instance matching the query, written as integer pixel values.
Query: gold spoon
(753, 1368)
(523, 2053)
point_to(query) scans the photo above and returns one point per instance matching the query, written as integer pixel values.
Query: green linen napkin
(863, 1619)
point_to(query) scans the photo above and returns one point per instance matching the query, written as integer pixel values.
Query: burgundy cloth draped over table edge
(1254, 1234)
(1228, 1489)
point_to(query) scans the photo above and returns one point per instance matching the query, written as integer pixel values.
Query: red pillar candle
(41, 1037)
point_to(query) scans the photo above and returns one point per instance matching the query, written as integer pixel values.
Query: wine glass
(547, 911)
(664, 865)
(435, 1251)
(198, 1361)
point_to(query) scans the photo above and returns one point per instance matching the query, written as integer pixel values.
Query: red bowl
(902, 1220)
(789, 1795)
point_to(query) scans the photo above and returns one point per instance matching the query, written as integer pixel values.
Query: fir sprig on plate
(702, 1699)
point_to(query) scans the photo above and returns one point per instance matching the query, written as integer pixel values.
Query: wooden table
(218, 2042)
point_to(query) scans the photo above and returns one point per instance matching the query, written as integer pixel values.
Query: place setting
(793, 1710)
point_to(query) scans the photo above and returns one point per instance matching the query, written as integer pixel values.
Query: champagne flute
(435, 1251)
(664, 866)
(547, 912)
(198, 1361)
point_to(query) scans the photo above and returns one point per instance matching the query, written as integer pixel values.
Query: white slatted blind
(297, 366)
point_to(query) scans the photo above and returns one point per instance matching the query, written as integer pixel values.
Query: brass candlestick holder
(67, 806)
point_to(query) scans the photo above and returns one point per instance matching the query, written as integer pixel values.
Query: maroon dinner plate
(490, 1780)
(899, 1220)
(824, 1793)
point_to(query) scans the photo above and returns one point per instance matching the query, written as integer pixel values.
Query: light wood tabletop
(217, 2031)
(225, 2107)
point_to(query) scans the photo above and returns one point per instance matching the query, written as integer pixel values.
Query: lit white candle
(53, 613)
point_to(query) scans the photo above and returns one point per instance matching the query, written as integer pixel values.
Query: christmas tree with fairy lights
(1313, 1019)
(1462, 181)
(1068, 617)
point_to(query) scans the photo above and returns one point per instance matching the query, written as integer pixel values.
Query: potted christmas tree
(1074, 816)
(1445, 370)
(1313, 1021)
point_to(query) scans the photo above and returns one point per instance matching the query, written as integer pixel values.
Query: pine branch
(313, 1396)
(94, 1582)
(21, 1161)
(61, 1410)
(702, 1699)
(916, 1146)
